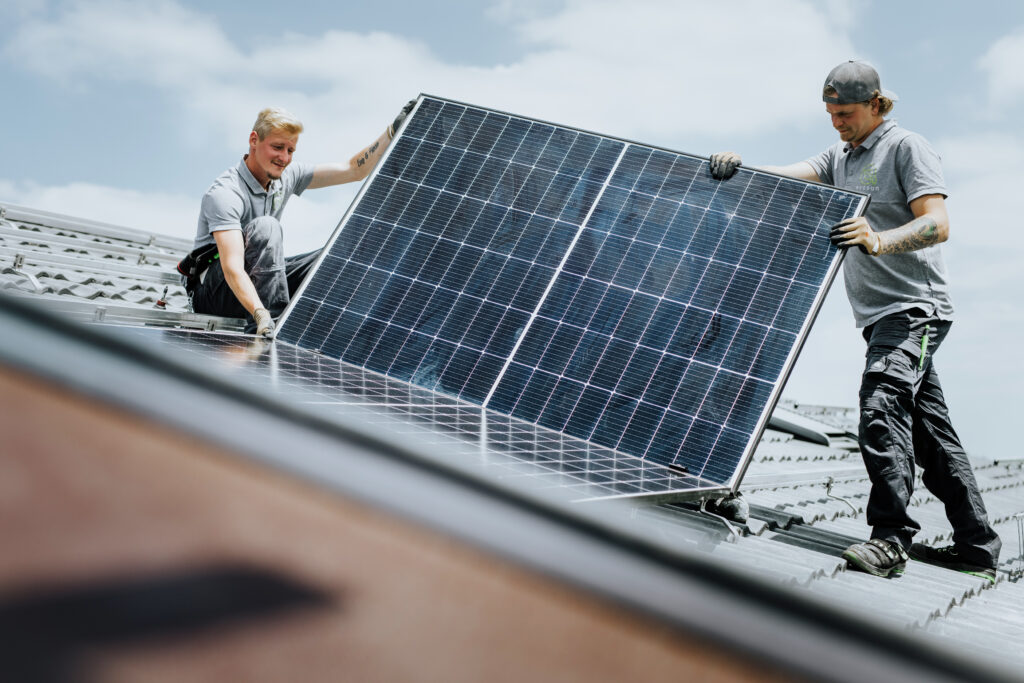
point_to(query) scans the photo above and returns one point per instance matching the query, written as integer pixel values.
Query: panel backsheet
(607, 290)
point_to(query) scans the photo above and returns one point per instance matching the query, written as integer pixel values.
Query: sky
(125, 112)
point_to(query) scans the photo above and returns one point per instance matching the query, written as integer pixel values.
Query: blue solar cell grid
(608, 290)
(448, 252)
(668, 329)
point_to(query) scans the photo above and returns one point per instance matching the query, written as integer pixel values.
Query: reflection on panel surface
(459, 433)
(607, 290)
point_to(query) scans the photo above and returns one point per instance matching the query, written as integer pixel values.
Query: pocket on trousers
(893, 366)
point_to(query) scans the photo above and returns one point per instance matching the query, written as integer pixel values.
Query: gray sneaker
(877, 557)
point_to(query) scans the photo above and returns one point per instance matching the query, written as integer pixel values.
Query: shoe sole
(860, 564)
(980, 575)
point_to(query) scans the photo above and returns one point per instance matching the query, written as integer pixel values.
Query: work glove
(855, 232)
(393, 128)
(724, 165)
(264, 323)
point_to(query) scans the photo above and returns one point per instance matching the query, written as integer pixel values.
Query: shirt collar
(871, 139)
(250, 179)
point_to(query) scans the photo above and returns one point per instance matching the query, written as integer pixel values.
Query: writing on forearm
(917, 234)
(367, 154)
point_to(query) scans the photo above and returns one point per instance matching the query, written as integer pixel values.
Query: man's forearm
(244, 290)
(357, 168)
(917, 234)
(801, 170)
(364, 162)
(364, 157)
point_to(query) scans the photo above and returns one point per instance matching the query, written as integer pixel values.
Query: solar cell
(460, 434)
(597, 287)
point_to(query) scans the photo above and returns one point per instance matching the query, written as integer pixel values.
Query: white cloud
(664, 69)
(1002, 66)
(984, 174)
(988, 153)
(125, 41)
(651, 69)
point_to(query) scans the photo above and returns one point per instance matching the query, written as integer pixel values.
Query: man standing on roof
(242, 271)
(896, 284)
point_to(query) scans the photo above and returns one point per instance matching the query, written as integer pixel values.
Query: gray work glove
(393, 128)
(724, 165)
(264, 323)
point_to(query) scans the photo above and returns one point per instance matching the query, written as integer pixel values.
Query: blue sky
(125, 112)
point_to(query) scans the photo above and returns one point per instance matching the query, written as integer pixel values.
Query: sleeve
(919, 167)
(300, 178)
(823, 164)
(222, 209)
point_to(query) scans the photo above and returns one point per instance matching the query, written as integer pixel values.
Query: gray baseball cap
(854, 82)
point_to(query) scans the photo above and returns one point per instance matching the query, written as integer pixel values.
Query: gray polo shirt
(236, 198)
(894, 166)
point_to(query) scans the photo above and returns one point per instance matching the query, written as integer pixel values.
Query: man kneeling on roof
(237, 267)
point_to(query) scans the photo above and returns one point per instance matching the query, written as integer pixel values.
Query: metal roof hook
(828, 492)
(734, 532)
(1020, 543)
(19, 269)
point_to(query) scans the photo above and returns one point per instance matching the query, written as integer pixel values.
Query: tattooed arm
(357, 168)
(930, 226)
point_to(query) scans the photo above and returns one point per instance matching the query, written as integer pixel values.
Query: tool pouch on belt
(192, 266)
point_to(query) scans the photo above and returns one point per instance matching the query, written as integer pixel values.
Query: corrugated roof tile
(83, 268)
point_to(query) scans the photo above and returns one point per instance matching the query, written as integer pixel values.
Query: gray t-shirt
(894, 166)
(236, 198)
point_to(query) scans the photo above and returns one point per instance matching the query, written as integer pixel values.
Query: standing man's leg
(887, 394)
(947, 473)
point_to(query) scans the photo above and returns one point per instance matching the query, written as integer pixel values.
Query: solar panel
(525, 456)
(600, 288)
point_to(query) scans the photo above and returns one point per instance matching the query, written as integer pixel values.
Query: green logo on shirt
(869, 176)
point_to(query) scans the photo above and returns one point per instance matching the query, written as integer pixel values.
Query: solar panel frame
(657, 181)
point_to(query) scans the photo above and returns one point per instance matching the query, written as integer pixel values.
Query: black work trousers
(275, 277)
(904, 422)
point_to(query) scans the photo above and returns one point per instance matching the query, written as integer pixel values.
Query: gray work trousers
(275, 276)
(904, 422)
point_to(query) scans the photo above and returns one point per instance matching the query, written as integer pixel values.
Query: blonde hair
(885, 105)
(276, 119)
